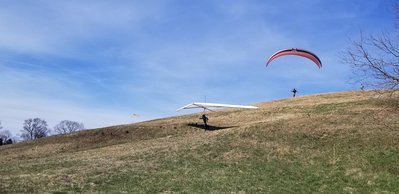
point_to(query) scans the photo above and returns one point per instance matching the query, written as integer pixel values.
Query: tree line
(35, 128)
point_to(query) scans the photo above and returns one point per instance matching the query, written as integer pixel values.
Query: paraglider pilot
(205, 119)
(294, 91)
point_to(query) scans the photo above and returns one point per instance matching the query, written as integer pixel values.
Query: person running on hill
(294, 91)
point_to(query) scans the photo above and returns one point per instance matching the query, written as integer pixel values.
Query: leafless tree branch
(65, 127)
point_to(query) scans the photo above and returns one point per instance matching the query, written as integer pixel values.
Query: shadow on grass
(209, 128)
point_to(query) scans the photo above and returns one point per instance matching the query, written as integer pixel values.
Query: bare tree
(34, 128)
(375, 60)
(5, 135)
(65, 127)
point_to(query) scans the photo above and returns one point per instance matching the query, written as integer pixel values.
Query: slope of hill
(345, 142)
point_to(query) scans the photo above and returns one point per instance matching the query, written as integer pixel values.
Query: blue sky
(100, 62)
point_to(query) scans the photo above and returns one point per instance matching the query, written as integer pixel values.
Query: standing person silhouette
(205, 119)
(294, 91)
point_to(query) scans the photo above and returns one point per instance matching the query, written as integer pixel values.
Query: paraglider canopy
(298, 52)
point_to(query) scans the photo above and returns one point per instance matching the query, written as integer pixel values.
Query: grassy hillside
(331, 143)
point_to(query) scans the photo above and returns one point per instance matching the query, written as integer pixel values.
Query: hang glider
(298, 52)
(208, 106)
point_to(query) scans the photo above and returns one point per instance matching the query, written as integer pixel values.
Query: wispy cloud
(60, 28)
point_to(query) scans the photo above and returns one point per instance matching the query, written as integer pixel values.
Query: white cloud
(53, 97)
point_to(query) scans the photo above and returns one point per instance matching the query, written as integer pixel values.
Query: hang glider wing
(208, 106)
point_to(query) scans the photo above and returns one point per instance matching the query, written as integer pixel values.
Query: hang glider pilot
(208, 106)
(205, 119)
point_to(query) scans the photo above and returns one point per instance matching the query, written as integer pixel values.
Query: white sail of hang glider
(208, 106)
